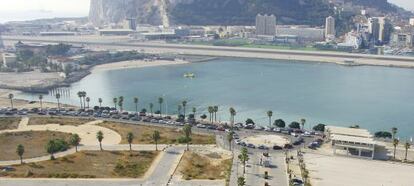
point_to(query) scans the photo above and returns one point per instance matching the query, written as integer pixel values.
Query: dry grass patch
(33, 141)
(58, 120)
(204, 166)
(143, 134)
(89, 164)
(9, 123)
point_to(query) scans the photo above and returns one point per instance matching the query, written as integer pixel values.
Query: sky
(17, 10)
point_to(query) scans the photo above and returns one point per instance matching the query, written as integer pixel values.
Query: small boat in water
(189, 75)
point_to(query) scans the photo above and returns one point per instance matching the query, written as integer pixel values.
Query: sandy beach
(137, 64)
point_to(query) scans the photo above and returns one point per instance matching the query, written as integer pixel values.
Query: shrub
(383, 134)
(294, 125)
(249, 121)
(320, 127)
(279, 123)
(183, 139)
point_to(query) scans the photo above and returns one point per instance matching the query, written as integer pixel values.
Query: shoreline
(136, 64)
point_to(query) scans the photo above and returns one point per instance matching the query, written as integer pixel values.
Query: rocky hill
(223, 12)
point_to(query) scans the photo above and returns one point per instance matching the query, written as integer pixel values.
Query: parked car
(277, 147)
(251, 146)
(288, 146)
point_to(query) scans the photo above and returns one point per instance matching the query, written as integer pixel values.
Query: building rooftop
(353, 139)
(334, 130)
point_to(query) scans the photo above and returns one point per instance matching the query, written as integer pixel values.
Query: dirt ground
(27, 79)
(58, 120)
(269, 140)
(89, 164)
(34, 143)
(9, 123)
(143, 134)
(205, 164)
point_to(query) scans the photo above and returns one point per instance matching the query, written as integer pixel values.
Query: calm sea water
(376, 98)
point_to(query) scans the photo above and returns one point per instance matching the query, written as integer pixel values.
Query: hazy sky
(32, 9)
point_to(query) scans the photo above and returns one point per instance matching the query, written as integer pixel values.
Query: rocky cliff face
(116, 11)
(219, 12)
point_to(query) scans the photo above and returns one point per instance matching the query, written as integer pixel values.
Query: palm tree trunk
(100, 146)
(21, 160)
(156, 146)
(406, 153)
(187, 147)
(130, 147)
(76, 148)
(80, 102)
(270, 121)
(244, 167)
(160, 109)
(11, 103)
(136, 108)
(395, 148)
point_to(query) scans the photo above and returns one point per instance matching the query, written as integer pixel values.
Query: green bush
(183, 139)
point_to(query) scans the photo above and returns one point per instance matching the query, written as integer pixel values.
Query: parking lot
(344, 171)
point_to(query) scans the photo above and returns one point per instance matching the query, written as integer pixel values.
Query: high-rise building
(374, 28)
(265, 25)
(1, 42)
(412, 21)
(385, 29)
(330, 31)
(131, 23)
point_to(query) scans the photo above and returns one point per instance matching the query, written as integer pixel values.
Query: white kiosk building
(351, 141)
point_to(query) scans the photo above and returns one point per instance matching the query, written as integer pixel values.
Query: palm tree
(84, 99)
(184, 103)
(100, 137)
(136, 104)
(160, 101)
(115, 100)
(20, 152)
(395, 144)
(302, 123)
(230, 139)
(156, 137)
(120, 104)
(80, 98)
(244, 157)
(216, 108)
(88, 99)
(270, 114)
(211, 111)
(41, 101)
(11, 96)
(406, 146)
(151, 106)
(194, 112)
(100, 102)
(232, 114)
(58, 98)
(187, 133)
(130, 139)
(75, 141)
(179, 110)
(394, 132)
